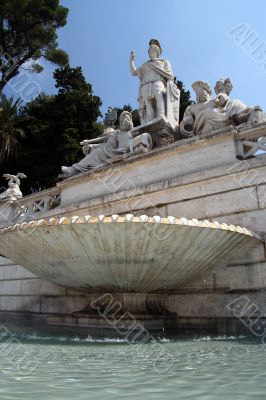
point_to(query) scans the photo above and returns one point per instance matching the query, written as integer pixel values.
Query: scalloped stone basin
(122, 254)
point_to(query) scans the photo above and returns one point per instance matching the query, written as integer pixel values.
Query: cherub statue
(13, 192)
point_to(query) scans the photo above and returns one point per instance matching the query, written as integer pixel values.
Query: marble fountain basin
(122, 253)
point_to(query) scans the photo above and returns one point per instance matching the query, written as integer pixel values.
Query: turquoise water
(201, 369)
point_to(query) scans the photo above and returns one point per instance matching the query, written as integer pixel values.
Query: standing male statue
(158, 94)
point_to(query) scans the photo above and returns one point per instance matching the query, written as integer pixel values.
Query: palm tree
(8, 131)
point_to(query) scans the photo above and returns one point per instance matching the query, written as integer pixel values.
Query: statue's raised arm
(133, 69)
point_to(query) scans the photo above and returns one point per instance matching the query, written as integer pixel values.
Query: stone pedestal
(8, 213)
(125, 315)
(161, 131)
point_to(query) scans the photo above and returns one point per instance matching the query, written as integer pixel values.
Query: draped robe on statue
(209, 119)
(210, 116)
(156, 78)
(116, 144)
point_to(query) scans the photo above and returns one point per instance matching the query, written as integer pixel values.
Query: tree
(8, 132)
(75, 98)
(70, 80)
(54, 126)
(27, 33)
(36, 155)
(185, 100)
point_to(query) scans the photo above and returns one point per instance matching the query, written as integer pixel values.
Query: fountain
(152, 217)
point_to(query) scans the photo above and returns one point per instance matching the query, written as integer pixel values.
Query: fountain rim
(128, 218)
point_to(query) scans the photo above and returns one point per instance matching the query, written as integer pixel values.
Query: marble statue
(98, 151)
(142, 142)
(110, 118)
(189, 125)
(158, 94)
(235, 110)
(209, 114)
(13, 192)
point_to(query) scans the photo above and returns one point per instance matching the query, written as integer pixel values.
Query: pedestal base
(161, 131)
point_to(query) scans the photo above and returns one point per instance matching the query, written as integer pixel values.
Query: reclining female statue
(209, 114)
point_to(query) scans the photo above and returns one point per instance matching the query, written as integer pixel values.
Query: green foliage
(70, 80)
(8, 131)
(27, 33)
(54, 126)
(185, 100)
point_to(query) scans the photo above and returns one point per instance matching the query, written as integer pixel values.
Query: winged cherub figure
(13, 192)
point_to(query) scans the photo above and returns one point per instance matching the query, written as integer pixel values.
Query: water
(202, 369)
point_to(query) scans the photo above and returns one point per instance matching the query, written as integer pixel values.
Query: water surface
(201, 369)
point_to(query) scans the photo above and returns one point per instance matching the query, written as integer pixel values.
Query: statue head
(202, 90)
(155, 49)
(125, 121)
(223, 86)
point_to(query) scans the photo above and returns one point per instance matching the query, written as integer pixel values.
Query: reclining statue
(208, 114)
(98, 151)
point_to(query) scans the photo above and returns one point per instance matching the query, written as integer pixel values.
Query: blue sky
(194, 36)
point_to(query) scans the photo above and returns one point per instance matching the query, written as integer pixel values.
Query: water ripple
(202, 370)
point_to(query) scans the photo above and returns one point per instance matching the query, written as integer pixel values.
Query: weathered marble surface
(160, 130)
(122, 253)
(179, 159)
(196, 178)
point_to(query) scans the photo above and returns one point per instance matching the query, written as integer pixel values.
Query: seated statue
(210, 114)
(114, 143)
(13, 192)
(189, 125)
